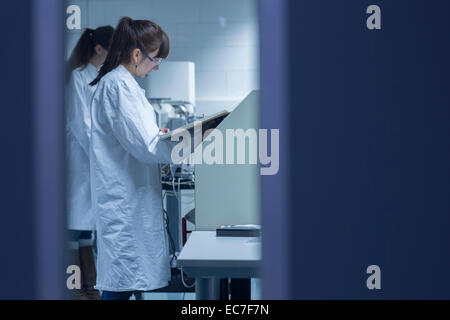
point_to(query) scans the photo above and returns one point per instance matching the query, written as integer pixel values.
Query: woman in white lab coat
(125, 151)
(87, 56)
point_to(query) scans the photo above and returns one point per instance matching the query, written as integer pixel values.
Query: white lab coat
(78, 131)
(133, 251)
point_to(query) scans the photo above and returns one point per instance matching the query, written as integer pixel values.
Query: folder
(207, 123)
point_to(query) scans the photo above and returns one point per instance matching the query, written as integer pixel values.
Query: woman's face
(145, 66)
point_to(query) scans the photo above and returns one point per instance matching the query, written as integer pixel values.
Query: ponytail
(85, 47)
(130, 34)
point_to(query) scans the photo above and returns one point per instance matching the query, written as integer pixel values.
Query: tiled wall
(220, 36)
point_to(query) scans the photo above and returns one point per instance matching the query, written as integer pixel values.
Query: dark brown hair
(129, 35)
(85, 47)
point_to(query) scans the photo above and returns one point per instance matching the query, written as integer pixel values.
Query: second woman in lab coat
(125, 177)
(87, 56)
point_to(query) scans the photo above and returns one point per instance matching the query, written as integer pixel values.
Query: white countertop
(204, 249)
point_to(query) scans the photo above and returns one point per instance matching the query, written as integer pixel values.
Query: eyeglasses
(156, 61)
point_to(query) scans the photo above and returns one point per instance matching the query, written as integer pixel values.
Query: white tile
(241, 83)
(210, 84)
(171, 30)
(101, 12)
(242, 34)
(209, 59)
(186, 54)
(241, 58)
(176, 11)
(200, 35)
(71, 40)
(228, 11)
(214, 59)
(104, 12)
(213, 106)
(237, 58)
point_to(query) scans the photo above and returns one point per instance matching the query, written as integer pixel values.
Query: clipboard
(207, 123)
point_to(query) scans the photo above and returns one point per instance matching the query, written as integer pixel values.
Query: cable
(181, 269)
(171, 241)
(182, 280)
(173, 186)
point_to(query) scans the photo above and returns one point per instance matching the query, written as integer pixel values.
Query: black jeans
(110, 295)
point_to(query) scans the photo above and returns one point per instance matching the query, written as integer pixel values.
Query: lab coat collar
(92, 70)
(128, 76)
(91, 67)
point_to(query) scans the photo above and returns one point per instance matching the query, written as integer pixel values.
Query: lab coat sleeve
(78, 113)
(134, 125)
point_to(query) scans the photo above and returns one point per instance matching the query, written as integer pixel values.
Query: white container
(174, 80)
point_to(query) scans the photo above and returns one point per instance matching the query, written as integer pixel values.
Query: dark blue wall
(32, 235)
(370, 148)
(16, 131)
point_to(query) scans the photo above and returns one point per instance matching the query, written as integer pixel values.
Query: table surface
(204, 249)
